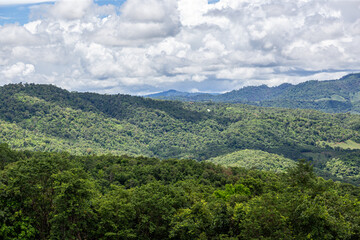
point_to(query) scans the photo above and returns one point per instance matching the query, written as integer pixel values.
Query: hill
(332, 96)
(47, 118)
(254, 159)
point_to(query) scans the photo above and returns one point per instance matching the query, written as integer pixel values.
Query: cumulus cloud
(139, 22)
(18, 70)
(13, 35)
(65, 9)
(149, 45)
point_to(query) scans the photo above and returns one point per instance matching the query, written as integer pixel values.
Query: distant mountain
(181, 96)
(168, 93)
(333, 96)
(254, 94)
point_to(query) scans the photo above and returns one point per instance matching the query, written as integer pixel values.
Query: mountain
(332, 96)
(254, 94)
(47, 118)
(181, 96)
(168, 93)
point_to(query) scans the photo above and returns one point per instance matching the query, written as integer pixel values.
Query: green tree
(302, 175)
(28, 189)
(155, 205)
(73, 216)
(116, 215)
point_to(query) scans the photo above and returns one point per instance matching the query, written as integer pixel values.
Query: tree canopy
(63, 196)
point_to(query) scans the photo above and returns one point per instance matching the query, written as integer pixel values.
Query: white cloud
(18, 70)
(13, 35)
(70, 9)
(140, 22)
(148, 10)
(192, 12)
(149, 45)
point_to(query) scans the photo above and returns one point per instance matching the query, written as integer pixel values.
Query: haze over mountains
(333, 96)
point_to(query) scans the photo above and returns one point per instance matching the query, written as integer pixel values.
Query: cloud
(18, 70)
(13, 35)
(149, 45)
(140, 22)
(70, 10)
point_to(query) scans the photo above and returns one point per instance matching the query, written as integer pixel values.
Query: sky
(145, 46)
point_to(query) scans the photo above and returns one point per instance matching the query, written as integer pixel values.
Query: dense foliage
(254, 159)
(47, 118)
(61, 196)
(334, 96)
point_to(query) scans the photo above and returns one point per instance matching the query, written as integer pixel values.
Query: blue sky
(147, 46)
(20, 13)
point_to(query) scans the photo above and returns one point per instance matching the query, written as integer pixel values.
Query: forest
(47, 118)
(64, 196)
(90, 166)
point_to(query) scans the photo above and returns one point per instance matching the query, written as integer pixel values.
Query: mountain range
(332, 96)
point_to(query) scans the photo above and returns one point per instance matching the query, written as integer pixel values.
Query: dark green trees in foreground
(60, 196)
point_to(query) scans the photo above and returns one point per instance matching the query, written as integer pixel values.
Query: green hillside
(254, 159)
(47, 118)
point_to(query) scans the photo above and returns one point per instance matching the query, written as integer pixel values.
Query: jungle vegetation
(63, 196)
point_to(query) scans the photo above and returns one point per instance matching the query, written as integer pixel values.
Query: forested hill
(331, 96)
(47, 118)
